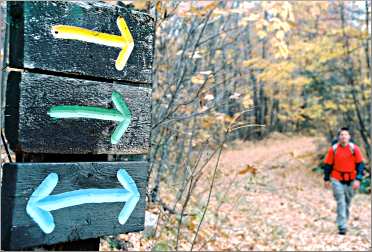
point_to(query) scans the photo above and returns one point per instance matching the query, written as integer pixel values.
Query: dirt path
(283, 206)
(266, 197)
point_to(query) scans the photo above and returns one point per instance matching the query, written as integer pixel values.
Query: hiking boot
(342, 231)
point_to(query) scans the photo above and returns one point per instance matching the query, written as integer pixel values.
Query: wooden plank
(77, 222)
(29, 128)
(33, 45)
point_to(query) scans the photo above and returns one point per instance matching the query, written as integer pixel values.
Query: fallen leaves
(291, 212)
(248, 169)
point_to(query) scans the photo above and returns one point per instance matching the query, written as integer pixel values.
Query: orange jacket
(344, 162)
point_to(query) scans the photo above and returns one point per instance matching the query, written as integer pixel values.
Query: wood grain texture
(72, 223)
(32, 45)
(30, 129)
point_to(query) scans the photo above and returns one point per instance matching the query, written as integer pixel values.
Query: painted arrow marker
(125, 42)
(120, 114)
(41, 202)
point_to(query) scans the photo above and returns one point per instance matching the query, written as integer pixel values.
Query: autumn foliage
(240, 70)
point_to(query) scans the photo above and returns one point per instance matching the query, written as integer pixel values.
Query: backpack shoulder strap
(352, 148)
(334, 147)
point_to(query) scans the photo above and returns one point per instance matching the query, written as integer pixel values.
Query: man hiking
(343, 170)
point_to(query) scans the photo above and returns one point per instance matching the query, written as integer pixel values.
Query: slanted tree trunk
(349, 75)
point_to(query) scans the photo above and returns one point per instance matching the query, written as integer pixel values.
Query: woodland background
(247, 96)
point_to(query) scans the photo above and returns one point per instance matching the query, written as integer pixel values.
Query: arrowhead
(128, 44)
(43, 218)
(128, 183)
(122, 107)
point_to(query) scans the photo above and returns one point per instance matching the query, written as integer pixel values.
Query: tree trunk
(349, 74)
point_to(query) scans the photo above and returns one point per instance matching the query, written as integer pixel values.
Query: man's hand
(327, 185)
(356, 184)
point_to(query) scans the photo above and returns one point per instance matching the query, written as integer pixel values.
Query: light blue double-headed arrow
(41, 202)
(120, 114)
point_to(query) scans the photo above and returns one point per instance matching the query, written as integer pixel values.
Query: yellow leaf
(261, 34)
(141, 4)
(330, 105)
(253, 17)
(161, 9)
(247, 101)
(248, 169)
(250, 62)
(198, 79)
(159, 6)
(227, 118)
(279, 35)
(173, 88)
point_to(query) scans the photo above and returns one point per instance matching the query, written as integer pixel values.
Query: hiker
(343, 170)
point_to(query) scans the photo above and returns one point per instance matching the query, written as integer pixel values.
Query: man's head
(344, 136)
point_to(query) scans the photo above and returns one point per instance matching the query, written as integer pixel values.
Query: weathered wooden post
(78, 98)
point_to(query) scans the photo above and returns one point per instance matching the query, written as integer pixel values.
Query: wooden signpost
(78, 97)
(56, 202)
(52, 114)
(90, 39)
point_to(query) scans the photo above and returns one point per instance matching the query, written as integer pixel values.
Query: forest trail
(265, 197)
(284, 206)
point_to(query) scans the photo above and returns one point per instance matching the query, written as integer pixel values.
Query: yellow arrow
(125, 42)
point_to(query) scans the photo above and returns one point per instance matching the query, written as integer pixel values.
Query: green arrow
(120, 114)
